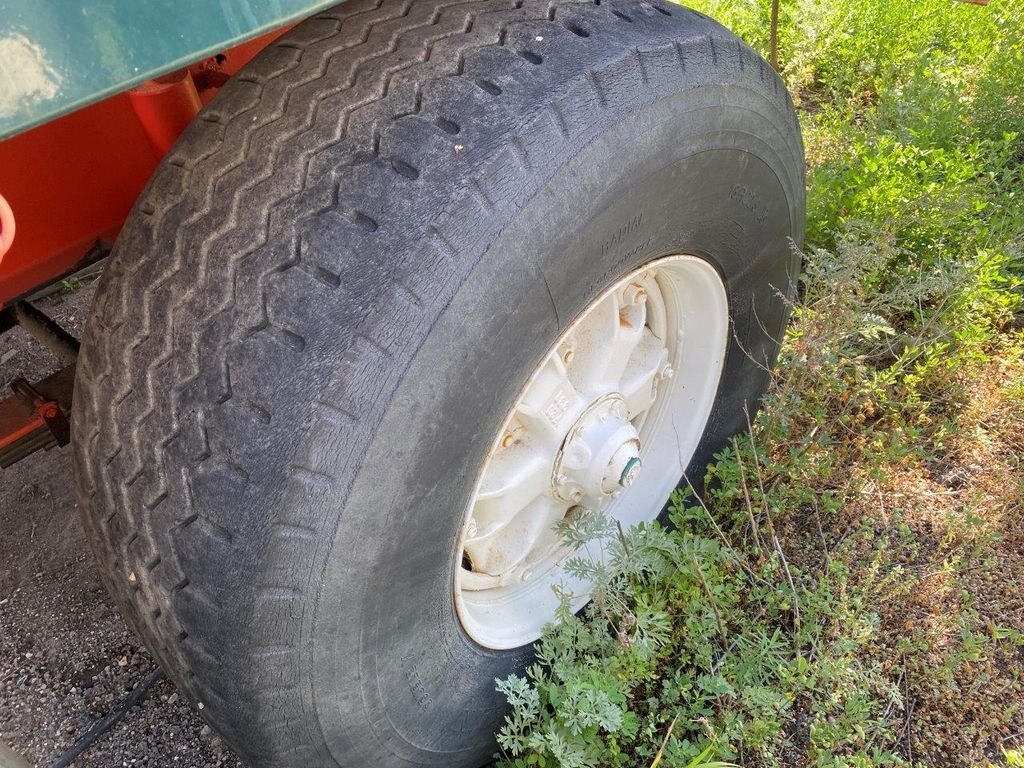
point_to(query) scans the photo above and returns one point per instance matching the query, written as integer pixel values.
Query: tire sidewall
(388, 659)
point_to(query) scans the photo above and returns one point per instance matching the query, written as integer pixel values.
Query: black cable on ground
(86, 739)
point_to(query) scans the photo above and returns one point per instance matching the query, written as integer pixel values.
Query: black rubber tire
(326, 301)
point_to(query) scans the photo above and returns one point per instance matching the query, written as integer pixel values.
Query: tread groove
(448, 126)
(364, 221)
(490, 87)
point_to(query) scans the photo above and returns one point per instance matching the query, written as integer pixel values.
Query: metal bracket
(47, 411)
(35, 416)
(47, 331)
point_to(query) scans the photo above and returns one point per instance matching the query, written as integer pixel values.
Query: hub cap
(603, 423)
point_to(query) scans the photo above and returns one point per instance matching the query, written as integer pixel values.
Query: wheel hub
(601, 454)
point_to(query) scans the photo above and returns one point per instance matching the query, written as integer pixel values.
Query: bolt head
(634, 294)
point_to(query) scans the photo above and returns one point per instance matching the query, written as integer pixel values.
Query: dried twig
(771, 530)
(622, 538)
(775, 35)
(711, 599)
(909, 709)
(664, 742)
(746, 497)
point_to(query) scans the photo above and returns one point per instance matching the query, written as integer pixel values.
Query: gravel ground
(66, 656)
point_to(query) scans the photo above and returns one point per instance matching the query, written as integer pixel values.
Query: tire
(331, 292)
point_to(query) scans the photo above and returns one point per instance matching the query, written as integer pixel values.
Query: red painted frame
(70, 183)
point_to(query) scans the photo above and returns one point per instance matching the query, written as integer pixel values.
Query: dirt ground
(66, 656)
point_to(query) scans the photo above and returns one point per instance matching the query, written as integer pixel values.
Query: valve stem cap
(630, 472)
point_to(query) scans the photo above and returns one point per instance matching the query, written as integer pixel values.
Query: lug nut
(634, 294)
(575, 512)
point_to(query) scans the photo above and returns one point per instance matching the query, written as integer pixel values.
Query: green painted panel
(59, 55)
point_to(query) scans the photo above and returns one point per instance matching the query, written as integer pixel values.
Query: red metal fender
(165, 107)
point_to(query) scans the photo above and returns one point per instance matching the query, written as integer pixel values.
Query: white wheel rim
(608, 420)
